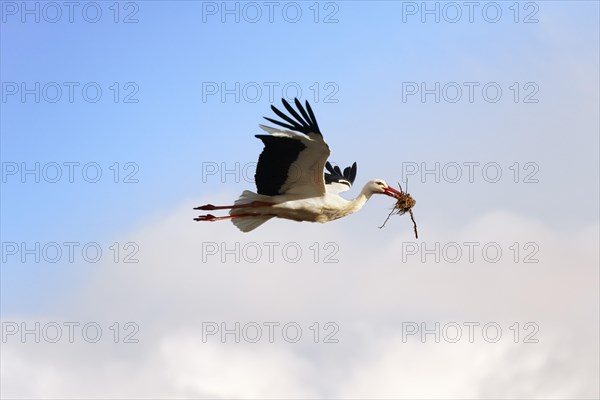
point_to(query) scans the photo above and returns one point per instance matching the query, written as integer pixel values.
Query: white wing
(292, 161)
(336, 187)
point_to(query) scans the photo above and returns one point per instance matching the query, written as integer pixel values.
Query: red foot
(208, 217)
(211, 218)
(206, 207)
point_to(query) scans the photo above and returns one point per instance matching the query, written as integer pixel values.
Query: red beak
(390, 191)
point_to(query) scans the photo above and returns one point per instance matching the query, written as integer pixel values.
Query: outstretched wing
(293, 159)
(337, 181)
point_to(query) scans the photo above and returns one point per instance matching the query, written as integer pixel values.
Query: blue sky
(363, 59)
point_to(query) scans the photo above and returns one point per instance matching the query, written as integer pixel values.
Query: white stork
(290, 178)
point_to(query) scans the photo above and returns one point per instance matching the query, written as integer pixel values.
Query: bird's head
(379, 186)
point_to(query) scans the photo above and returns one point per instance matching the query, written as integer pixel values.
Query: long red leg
(210, 207)
(212, 218)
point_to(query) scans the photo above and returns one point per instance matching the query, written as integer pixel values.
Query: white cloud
(369, 293)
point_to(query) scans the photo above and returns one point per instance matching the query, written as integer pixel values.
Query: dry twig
(404, 204)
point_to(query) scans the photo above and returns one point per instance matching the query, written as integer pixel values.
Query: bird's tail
(247, 224)
(248, 196)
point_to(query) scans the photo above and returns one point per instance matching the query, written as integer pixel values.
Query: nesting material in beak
(404, 204)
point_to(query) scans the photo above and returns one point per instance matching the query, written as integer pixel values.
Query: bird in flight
(290, 178)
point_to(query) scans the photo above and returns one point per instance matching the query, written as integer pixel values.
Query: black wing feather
(346, 172)
(294, 113)
(352, 175)
(285, 117)
(280, 123)
(312, 116)
(306, 125)
(302, 111)
(335, 174)
(274, 163)
(329, 167)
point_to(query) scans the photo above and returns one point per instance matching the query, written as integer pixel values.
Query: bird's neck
(362, 198)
